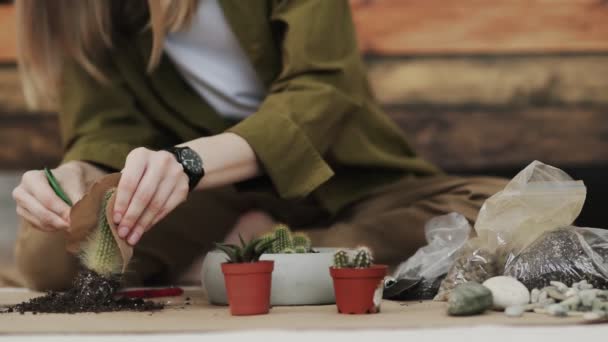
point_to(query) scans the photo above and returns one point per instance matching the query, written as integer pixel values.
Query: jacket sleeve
(100, 122)
(322, 81)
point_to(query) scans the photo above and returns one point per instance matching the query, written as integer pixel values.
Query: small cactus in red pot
(248, 280)
(358, 282)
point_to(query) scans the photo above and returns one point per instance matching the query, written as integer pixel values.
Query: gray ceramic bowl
(297, 279)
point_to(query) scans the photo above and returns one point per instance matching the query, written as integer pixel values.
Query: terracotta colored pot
(248, 287)
(358, 290)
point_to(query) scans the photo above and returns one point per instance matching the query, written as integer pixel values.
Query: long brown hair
(51, 32)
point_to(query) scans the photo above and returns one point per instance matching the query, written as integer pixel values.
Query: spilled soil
(89, 293)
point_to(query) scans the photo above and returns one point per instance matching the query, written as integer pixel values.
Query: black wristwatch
(191, 162)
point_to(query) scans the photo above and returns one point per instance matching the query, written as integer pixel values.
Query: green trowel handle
(56, 187)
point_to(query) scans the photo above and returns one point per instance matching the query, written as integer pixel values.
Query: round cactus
(341, 259)
(363, 258)
(300, 250)
(288, 251)
(301, 240)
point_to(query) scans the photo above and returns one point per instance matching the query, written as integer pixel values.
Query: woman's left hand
(152, 184)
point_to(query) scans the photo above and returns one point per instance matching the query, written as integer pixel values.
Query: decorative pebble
(587, 297)
(571, 292)
(556, 310)
(534, 295)
(594, 315)
(515, 311)
(507, 291)
(561, 287)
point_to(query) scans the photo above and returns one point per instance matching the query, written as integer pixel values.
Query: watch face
(191, 161)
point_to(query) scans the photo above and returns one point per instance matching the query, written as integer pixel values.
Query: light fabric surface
(472, 334)
(201, 317)
(210, 58)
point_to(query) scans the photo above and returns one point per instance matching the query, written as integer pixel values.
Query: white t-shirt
(210, 58)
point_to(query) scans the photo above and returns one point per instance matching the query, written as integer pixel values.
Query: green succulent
(341, 259)
(100, 253)
(282, 240)
(362, 259)
(301, 240)
(247, 252)
(286, 242)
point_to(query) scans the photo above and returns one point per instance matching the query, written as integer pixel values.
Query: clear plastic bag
(568, 254)
(424, 271)
(540, 198)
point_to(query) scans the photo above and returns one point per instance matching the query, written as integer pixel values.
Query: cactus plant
(301, 240)
(341, 259)
(287, 243)
(300, 250)
(282, 240)
(363, 258)
(100, 253)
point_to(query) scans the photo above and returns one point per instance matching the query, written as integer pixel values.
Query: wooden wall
(477, 85)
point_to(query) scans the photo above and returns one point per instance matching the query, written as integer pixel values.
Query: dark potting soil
(561, 255)
(89, 293)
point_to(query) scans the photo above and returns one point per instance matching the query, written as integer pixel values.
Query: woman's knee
(43, 261)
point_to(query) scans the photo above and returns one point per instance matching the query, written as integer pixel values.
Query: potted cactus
(299, 277)
(286, 242)
(358, 282)
(248, 280)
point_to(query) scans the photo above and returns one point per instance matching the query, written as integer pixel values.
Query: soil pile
(90, 293)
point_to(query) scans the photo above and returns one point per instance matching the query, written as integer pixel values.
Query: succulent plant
(100, 253)
(282, 240)
(301, 240)
(341, 259)
(285, 242)
(362, 258)
(300, 250)
(247, 252)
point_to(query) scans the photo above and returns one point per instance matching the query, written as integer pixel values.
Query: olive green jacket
(319, 132)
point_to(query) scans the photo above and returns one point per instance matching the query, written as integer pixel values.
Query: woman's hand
(152, 184)
(38, 204)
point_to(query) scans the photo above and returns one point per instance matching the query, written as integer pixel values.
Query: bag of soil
(568, 255)
(539, 199)
(419, 276)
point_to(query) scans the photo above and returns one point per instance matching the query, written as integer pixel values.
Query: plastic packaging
(539, 199)
(568, 255)
(419, 277)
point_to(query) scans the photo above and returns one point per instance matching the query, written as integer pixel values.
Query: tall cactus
(283, 239)
(341, 259)
(100, 253)
(363, 258)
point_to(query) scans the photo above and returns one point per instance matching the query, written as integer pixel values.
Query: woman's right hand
(38, 204)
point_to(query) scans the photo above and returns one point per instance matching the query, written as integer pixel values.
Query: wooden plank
(8, 43)
(413, 27)
(11, 95)
(457, 140)
(473, 140)
(29, 141)
(491, 81)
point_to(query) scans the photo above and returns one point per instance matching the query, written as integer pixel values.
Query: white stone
(507, 291)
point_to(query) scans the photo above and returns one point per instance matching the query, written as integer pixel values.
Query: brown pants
(390, 221)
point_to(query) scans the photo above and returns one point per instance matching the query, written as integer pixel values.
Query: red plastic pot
(358, 290)
(248, 287)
